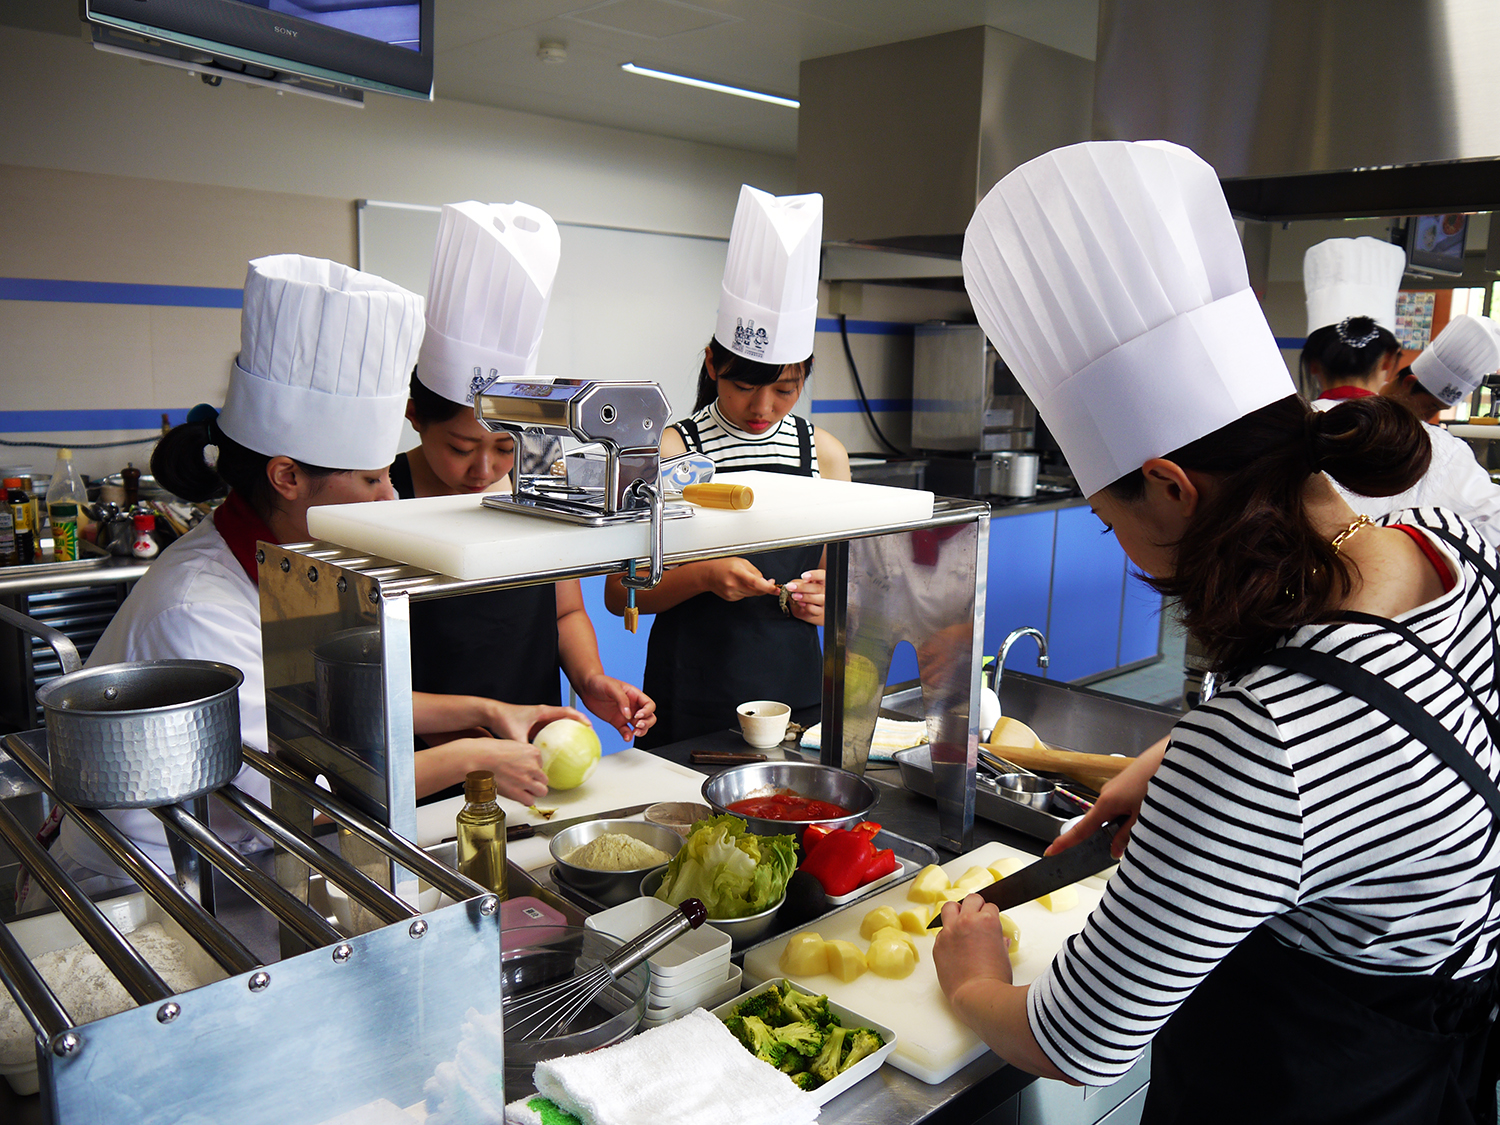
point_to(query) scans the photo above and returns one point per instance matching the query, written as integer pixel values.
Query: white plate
(728, 991)
(704, 993)
(849, 1018)
(688, 954)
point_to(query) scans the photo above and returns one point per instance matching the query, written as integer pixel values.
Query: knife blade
(1051, 872)
(515, 832)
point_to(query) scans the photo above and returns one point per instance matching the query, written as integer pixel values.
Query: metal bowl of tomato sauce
(783, 798)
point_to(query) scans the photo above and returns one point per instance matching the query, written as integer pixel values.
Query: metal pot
(1013, 473)
(152, 732)
(347, 678)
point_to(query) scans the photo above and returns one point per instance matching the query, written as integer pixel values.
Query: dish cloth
(537, 1110)
(691, 1071)
(890, 735)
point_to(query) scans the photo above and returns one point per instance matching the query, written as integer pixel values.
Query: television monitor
(1435, 244)
(328, 48)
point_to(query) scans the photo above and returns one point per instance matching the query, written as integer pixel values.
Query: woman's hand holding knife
(1122, 797)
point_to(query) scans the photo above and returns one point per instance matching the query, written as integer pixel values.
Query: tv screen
(336, 48)
(1435, 243)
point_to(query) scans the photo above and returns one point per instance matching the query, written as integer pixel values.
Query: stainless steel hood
(904, 140)
(1313, 108)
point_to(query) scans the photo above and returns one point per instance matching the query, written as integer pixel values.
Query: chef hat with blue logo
(1110, 277)
(324, 364)
(487, 297)
(1462, 356)
(768, 303)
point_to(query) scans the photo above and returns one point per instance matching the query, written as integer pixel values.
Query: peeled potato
(845, 960)
(805, 955)
(929, 884)
(1064, 898)
(1006, 865)
(914, 920)
(877, 919)
(955, 894)
(1013, 935)
(893, 932)
(892, 957)
(975, 878)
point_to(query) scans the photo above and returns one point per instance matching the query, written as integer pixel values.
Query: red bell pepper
(866, 828)
(812, 834)
(843, 860)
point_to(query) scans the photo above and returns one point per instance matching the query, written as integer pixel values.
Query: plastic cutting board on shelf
(931, 1043)
(457, 535)
(631, 777)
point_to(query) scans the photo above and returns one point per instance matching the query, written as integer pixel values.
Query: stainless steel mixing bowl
(609, 887)
(808, 779)
(152, 732)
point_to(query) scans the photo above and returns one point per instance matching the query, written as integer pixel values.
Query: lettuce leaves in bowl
(734, 872)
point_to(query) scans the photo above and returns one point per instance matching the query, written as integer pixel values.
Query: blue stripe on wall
(119, 293)
(72, 421)
(866, 327)
(1291, 343)
(852, 406)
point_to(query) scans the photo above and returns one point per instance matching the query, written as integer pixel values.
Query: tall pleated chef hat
(1464, 352)
(1110, 277)
(1347, 277)
(487, 297)
(768, 304)
(325, 358)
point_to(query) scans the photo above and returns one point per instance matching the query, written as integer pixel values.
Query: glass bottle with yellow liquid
(481, 833)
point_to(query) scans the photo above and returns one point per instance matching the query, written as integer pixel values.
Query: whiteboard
(626, 304)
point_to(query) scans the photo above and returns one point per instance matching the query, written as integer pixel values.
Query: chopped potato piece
(893, 957)
(955, 894)
(894, 932)
(1013, 935)
(929, 884)
(805, 955)
(879, 918)
(1064, 898)
(1006, 865)
(845, 960)
(974, 878)
(915, 919)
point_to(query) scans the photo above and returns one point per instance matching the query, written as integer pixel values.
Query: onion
(570, 752)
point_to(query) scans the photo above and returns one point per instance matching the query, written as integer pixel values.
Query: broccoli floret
(807, 1080)
(765, 1005)
(860, 1042)
(762, 1040)
(803, 1038)
(826, 1065)
(792, 1063)
(801, 1006)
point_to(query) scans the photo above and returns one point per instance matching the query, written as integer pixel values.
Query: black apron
(706, 656)
(1276, 1034)
(499, 645)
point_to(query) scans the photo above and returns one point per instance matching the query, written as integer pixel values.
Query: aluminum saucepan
(137, 735)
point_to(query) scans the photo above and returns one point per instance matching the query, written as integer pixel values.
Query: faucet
(1016, 635)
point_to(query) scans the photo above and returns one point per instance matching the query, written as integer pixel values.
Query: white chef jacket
(194, 603)
(1454, 481)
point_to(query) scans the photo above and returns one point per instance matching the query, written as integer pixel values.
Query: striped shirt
(1285, 801)
(733, 450)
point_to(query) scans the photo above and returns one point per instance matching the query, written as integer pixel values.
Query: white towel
(692, 1071)
(890, 735)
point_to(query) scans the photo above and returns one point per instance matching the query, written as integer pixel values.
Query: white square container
(702, 994)
(726, 989)
(682, 960)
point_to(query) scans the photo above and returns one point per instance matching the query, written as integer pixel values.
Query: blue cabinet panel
(1087, 588)
(623, 654)
(1018, 581)
(1140, 621)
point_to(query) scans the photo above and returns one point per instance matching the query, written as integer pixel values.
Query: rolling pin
(735, 497)
(1091, 769)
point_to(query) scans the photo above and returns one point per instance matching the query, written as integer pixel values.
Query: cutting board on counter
(631, 777)
(931, 1044)
(457, 535)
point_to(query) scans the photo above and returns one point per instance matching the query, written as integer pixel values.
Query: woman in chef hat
(1351, 348)
(721, 635)
(1302, 924)
(300, 399)
(487, 299)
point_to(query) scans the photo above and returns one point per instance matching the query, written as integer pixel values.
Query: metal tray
(989, 804)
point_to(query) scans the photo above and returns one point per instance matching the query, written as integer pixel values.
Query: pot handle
(67, 651)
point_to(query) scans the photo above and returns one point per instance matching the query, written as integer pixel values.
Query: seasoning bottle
(22, 528)
(7, 533)
(65, 500)
(144, 546)
(130, 480)
(481, 833)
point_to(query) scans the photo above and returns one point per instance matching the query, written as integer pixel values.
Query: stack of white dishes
(692, 972)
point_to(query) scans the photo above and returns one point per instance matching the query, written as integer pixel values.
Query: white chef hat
(768, 304)
(1352, 277)
(1110, 277)
(1456, 362)
(487, 297)
(325, 358)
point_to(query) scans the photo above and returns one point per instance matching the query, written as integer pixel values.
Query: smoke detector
(553, 52)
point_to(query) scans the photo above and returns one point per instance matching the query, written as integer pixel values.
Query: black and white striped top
(734, 450)
(1286, 801)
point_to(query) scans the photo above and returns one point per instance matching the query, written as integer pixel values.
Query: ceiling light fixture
(702, 84)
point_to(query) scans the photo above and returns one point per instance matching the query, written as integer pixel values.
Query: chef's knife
(1050, 873)
(515, 832)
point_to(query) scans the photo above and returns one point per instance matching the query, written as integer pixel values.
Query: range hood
(1313, 108)
(904, 140)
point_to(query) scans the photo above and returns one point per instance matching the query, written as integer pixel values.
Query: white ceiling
(487, 52)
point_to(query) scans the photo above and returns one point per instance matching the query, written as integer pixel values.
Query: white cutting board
(457, 535)
(631, 777)
(931, 1044)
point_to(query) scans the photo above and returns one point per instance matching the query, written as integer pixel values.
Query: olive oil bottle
(481, 833)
